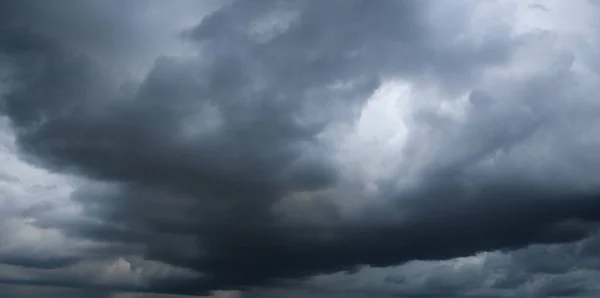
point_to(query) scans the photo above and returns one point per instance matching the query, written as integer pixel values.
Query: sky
(299, 148)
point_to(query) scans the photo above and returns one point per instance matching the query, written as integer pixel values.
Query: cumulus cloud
(296, 148)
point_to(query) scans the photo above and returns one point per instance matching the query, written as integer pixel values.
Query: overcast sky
(300, 148)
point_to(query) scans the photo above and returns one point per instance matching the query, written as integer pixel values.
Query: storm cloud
(294, 148)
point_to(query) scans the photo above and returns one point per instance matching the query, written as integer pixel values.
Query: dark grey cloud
(193, 165)
(33, 262)
(555, 270)
(28, 291)
(14, 291)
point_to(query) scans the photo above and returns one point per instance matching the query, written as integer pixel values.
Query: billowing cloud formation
(271, 145)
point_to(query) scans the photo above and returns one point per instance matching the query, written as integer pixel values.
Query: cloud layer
(425, 148)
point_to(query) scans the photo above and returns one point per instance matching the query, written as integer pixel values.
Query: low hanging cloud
(268, 146)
